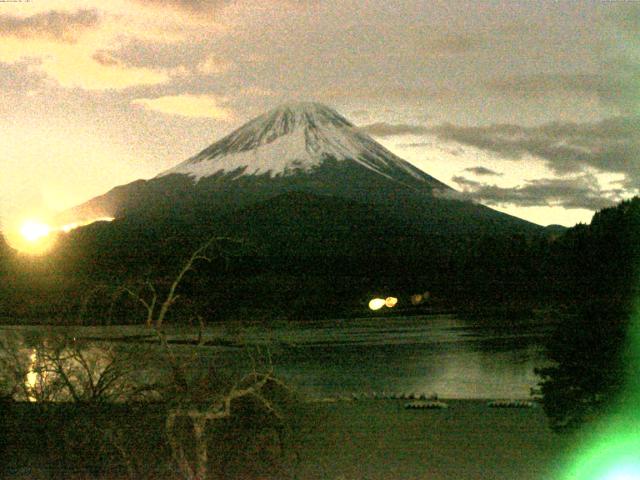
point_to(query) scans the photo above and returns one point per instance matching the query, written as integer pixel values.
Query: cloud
(384, 129)
(71, 66)
(611, 145)
(482, 171)
(255, 91)
(205, 9)
(582, 192)
(208, 7)
(51, 41)
(21, 77)
(626, 16)
(89, 74)
(453, 43)
(212, 65)
(621, 88)
(419, 145)
(186, 105)
(617, 86)
(176, 58)
(361, 113)
(137, 52)
(385, 92)
(466, 183)
(52, 25)
(609, 74)
(539, 85)
(105, 58)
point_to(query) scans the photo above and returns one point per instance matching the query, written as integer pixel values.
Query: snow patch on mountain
(284, 155)
(293, 138)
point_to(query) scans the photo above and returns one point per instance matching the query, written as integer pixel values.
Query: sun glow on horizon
(34, 230)
(32, 236)
(36, 237)
(73, 225)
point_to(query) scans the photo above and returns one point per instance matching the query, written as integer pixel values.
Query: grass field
(343, 440)
(381, 440)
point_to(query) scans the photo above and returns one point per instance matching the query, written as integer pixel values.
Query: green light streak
(611, 451)
(613, 456)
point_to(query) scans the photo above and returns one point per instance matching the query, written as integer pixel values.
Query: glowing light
(614, 458)
(625, 472)
(610, 451)
(377, 303)
(390, 302)
(417, 299)
(69, 226)
(72, 226)
(32, 376)
(34, 230)
(35, 237)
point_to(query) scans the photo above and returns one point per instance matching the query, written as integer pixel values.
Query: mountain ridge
(330, 157)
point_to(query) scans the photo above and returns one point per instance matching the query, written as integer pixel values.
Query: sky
(529, 107)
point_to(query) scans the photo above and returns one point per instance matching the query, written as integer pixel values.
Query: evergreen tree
(597, 265)
(589, 370)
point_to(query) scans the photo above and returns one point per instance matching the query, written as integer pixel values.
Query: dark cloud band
(383, 129)
(582, 192)
(611, 145)
(482, 171)
(193, 6)
(56, 25)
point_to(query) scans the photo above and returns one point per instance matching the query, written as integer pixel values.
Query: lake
(441, 354)
(437, 354)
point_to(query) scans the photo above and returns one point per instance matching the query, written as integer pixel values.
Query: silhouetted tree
(199, 399)
(598, 265)
(589, 369)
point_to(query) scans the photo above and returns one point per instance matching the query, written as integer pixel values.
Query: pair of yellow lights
(378, 303)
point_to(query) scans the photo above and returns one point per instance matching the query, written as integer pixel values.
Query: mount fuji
(297, 139)
(308, 162)
(298, 182)
(325, 218)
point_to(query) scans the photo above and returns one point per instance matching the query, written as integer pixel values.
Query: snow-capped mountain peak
(297, 168)
(294, 138)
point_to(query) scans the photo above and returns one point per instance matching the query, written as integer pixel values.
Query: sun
(31, 236)
(34, 230)
(36, 237)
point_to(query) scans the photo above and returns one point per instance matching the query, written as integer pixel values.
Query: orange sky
(511, 102)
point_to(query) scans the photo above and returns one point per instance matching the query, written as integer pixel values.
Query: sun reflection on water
(33, 377)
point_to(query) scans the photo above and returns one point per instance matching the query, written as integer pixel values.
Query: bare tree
(193, 398)
(66, 368)
(62, 368)
(14, 366)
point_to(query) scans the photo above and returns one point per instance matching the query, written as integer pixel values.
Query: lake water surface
(435, 354)
(442, 354)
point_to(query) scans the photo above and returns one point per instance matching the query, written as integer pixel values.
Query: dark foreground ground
(343, 440)
(469, 440)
